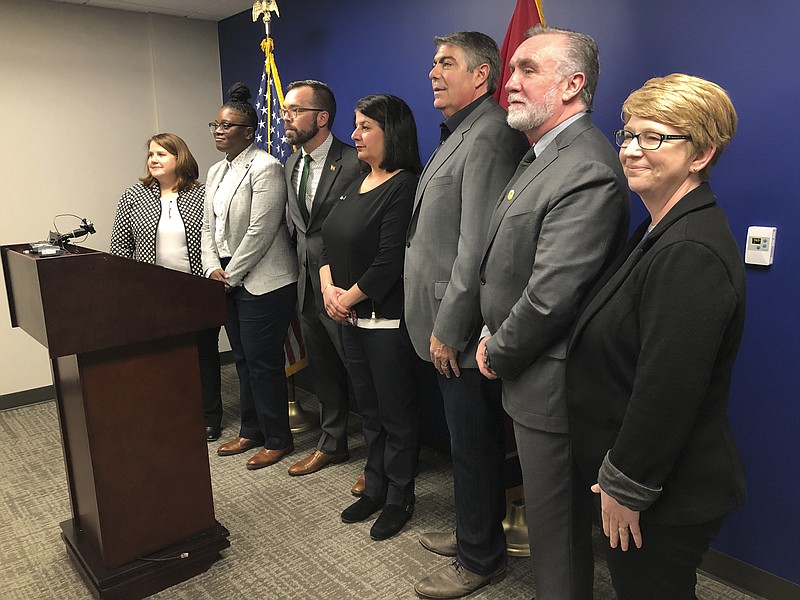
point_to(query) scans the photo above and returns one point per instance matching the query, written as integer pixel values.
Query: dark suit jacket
(553, 231)
(454, 200)
(650, 364)
(341, 169)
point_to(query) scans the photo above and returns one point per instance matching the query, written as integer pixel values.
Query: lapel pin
(510, 196)
(333, 167)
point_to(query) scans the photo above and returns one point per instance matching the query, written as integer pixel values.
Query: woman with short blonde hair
(650, 362)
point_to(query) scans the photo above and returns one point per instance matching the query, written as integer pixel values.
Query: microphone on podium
(56, 240)
(86, 228)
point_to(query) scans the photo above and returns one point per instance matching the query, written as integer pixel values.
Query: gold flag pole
(299, 420)
(265, 8)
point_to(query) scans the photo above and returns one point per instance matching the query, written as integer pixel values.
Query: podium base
(141, 578)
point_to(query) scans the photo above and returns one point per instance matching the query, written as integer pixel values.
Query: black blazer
(650, 361)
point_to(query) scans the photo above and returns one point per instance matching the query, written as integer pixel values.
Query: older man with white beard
(561, 219)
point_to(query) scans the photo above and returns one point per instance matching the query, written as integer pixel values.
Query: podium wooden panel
(121, 339)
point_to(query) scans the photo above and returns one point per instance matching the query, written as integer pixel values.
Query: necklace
(169, 202)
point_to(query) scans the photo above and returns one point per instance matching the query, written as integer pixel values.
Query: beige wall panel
(82, 89)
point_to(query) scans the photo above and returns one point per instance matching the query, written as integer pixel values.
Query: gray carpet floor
(287, 541)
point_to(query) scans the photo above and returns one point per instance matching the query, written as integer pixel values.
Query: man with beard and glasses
(560, 220)
(316, 175)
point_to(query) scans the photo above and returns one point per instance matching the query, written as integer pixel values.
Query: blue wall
(362, 47)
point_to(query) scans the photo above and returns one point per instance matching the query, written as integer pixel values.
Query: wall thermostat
(760, 246)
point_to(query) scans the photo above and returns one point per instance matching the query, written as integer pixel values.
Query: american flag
(271, 137)
(270, 134)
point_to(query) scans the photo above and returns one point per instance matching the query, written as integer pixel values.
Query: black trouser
(210, 380)
(257, 327)
(665, 567)
(379, 364)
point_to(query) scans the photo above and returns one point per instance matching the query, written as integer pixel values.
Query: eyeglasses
(293, 112)
(647, 140)
(225, 126)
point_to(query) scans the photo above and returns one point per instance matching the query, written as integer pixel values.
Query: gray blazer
(341, 169)
(551, 235)
(454, 200)
(262, 258)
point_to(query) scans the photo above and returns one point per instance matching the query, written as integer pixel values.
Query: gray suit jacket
(454, 200)
(262, 258)
(553, 231)
(341, 169)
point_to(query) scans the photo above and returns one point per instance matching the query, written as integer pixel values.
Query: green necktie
(301, 194)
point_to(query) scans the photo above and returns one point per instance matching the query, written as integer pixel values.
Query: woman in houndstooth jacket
(158, 221)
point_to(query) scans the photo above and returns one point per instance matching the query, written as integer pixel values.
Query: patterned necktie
(301, 194)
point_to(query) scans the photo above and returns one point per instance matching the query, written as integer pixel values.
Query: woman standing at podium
(245, 245)
(158, 221)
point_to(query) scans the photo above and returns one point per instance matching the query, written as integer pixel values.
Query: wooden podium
(121, 340)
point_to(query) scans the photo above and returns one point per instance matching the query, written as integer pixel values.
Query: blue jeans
(474, 416)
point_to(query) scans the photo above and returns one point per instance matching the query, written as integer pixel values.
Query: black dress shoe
(392, 520)
(361, 509)
(213, 433)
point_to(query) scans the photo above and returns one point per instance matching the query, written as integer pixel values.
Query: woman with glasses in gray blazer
(246, 246)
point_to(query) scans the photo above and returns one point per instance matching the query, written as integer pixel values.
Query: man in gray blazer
(558, 223)
(309, 109)
(454, 200)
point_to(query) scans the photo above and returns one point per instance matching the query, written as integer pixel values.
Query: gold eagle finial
(265, 7)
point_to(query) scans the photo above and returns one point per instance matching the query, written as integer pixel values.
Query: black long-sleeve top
(364, 243)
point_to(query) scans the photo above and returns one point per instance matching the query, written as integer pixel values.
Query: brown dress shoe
(358, 489)
(265, 457)
(236, 446)
(314, 462)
